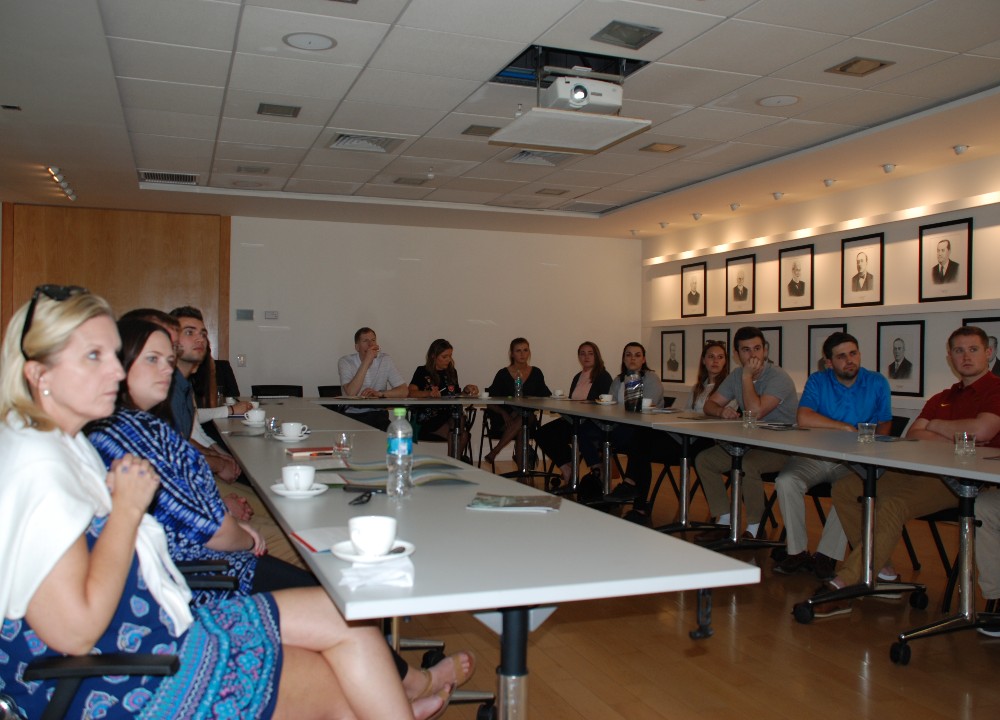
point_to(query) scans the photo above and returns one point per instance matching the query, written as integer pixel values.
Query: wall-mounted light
(959, 149)
(696, 216)
(59, 179)
(633, 232)
(777, 195)
(734, 206)
(664, 224)
(829, 182)
(888, 168)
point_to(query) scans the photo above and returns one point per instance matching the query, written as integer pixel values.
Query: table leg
(683, 523)
(512, 675)
(735, 541)
(455, 435)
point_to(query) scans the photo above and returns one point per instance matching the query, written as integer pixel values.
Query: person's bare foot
(429, 708)
(454, 671)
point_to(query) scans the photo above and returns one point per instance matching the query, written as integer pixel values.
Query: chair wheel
(778, 554)
(486, 711)
(432, 658)
(804, 613)
(899, 653)
(919, 600)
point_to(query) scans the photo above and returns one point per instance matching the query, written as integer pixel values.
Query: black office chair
(468, 422)
(329, 390)
(276, 391)
(225, 379)
(493, 429)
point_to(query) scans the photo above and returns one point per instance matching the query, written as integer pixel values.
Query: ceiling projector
(584, 94)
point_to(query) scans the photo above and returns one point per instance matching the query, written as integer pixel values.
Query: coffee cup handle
(305, 429)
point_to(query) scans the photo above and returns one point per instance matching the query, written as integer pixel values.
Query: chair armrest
(207, 575)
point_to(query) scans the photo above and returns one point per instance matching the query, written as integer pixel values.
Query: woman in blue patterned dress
(83, 569)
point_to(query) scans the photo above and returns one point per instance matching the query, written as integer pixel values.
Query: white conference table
(488, 561)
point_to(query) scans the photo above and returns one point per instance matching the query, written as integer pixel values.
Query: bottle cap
(399, 412)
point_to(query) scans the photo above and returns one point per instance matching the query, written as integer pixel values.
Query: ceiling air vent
(412, 181)
(285, 111)
(364, 143)
(859, 67)
(536, 157)
(253, 169)
(170, 178)
(480, 130)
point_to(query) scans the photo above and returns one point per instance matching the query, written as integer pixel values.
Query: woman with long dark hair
(437, 377)
(518, 376)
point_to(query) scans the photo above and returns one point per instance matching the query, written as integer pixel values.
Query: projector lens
(579, 93)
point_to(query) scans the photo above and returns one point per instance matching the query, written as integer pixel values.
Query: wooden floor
(632, 659)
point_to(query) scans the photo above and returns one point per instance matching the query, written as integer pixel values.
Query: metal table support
(735, 541)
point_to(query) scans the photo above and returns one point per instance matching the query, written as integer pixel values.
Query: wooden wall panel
(131, 258)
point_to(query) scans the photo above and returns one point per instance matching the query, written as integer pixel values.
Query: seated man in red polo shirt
(972, 405)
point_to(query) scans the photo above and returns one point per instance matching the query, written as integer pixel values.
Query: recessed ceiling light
(661, 147)
(309, 41)
(274, 110)
(626, 35)
(859, 66)
(480, 130)
(778, 101)
(551, 191)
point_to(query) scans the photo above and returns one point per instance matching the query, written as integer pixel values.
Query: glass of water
(343, 444)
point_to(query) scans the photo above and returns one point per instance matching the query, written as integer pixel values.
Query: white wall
(883, 205)
(478, 289)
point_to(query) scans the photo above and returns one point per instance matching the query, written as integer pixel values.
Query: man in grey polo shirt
(766, 389)
(370, 373)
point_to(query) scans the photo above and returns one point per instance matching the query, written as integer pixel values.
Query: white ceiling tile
(868, 108)
(678, 27)
(688, 145)
(736, 155)
(399, 192)
(347, 159)
(714, 124)
(258, 153)
(725, 8)
(176, 97)
(810, 95)
(585, 178)
(622, 162)
(172, 63)
(318, 187)
(958, 75)
(668, 177)
(452, 126)
(461, 196)
(905, 59)
(456, 149)
(263, 29)
(256, 132)
(747, 47)
(382, 118)
(988, 50)
(243, 105)
(232, 167)
(798, 133)
(383, 11)
(551, 182)
(845, 17)
(615, 197)
(422, 91)
(499, 100)
(497, 187)
(194, 23)
(679, 85)
(246, 182)
(499, 170)
(156, 152)
(333, 174)
(158, 122)
(530, 200)
(653, 111)
(515, 20)
(414, 166)
(291, 77)
(444, 54)
(954, 25)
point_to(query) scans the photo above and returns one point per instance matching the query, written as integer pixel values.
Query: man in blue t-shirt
(838, 398)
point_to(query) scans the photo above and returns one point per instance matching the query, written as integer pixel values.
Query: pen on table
(363, 489)
(322, 454)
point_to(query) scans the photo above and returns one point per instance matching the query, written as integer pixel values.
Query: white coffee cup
(298, 477)
(647, 405)
(256, 415)
(255, 404)
(558, 393)
(605, 398)
(293, 429)
(483, 394)
(372, 535)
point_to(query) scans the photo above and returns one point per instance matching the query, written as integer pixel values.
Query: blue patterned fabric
(188, 504)
(230, 660)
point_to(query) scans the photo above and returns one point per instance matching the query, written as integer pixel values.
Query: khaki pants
(712, 463)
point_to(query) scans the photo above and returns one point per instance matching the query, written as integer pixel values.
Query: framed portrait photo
(772, 343)
(946, 261)
(693, 300)
(991, 326)
(901, 356)
(740, 285)
(719, 335)
(815, 360)
(672, 356)
(861, 280)
(795, 290)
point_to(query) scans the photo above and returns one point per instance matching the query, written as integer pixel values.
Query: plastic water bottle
(633, 392)
(399, 455)
(518, 385)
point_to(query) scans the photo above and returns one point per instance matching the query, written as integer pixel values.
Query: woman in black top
(437, 377)
(556, 438)
(505, 385)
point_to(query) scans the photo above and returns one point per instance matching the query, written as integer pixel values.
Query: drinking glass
(343, 444)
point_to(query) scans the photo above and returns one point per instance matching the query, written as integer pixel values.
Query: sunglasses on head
(53, 292)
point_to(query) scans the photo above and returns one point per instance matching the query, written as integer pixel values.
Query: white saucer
(315, 490)
(252, 424)
(345, 551)
(601, 402)
(279, 436)
(560, 397)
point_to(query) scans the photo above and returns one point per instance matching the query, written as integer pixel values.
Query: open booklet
(418, 476)
(515, 503)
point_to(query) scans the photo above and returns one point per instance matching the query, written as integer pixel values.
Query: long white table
(471, 561)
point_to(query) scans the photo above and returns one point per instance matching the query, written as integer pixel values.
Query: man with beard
(837, 398)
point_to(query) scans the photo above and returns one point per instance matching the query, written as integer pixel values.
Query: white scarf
(52, 486)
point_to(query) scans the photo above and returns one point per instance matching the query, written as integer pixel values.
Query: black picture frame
(716, 335)
(694, 302)
(911, 334)
(741, 285)
(772, 343)
(855, 292)
(795, 290)
(991, 326)
(954, 239)
(817, 335)
(672, 372)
